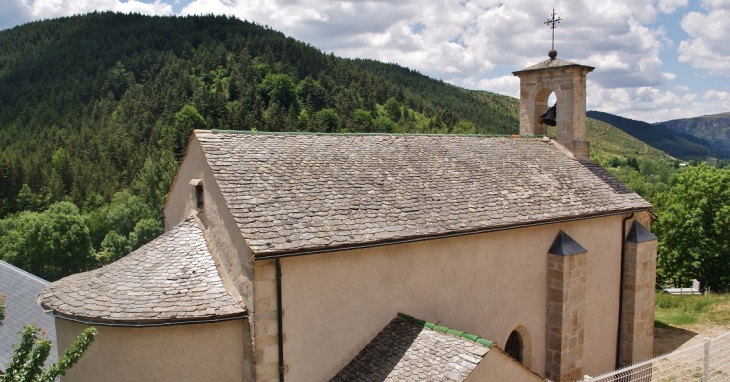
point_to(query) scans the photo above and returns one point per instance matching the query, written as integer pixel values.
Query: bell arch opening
(546, 114)
(519, 346)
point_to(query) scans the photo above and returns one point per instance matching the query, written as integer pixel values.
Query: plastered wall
(499, 367)
(196, 352)
(229, 249)
(486, 284)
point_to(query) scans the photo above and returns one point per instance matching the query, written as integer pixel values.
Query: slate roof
(404, 351)
(21, 289)
(547, 64)
(172, 278)
(293, 192)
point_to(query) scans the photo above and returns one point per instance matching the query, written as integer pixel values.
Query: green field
(710, 309)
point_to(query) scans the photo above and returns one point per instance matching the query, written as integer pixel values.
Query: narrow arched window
(513, 347)
(198, 183)
(199, 196)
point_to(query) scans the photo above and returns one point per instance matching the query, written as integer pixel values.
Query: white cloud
(14, 12)
(669, 6)
(707, 47)
(462, 41)
(507, 85)
(20, 10)
(655, 105)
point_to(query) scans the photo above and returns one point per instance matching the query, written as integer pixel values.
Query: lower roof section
(407, 349)
(172, 279)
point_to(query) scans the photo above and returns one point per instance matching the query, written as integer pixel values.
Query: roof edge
(306, 133)
(25, 273)
(447, 330)
(314, 251)
(144, 323)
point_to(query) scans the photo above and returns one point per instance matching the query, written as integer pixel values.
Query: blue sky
(655, 59)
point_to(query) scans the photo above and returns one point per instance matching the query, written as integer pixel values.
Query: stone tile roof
(404, 351)
(21, 289)
(551, 64)
(292, 192)
(171, 278)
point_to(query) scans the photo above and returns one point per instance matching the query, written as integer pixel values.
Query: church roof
(547, 64)
(173, 278)
(299, 192)
(405, 351)
(20, 289)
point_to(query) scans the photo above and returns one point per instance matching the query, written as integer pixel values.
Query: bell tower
(568, 81)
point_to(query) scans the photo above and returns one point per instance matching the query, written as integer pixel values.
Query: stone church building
(379, 257)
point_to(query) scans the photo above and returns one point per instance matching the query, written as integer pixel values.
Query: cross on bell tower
(568, 81)
(552, 22)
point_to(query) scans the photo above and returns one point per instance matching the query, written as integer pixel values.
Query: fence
(705, 362)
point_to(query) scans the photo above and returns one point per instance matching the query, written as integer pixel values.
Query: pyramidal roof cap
(564, 245)
(639, 234)
(555, 63)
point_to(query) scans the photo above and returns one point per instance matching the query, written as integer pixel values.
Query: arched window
(519, 345)
(514, 346)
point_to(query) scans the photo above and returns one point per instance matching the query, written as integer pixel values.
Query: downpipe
(280, 321)
(621, 290)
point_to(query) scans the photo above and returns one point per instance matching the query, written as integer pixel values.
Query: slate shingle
(404, 351)
(555, 63)
(171, 278)
(20, 289)
(293, 192)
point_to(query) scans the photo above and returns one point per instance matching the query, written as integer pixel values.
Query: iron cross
(552, 21)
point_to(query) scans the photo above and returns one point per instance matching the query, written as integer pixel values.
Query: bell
(549, 117)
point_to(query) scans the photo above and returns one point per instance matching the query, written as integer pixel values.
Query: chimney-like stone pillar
(568, 81)
(566, 289)
(637, 314)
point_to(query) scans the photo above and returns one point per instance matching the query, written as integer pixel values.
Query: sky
(655, 60)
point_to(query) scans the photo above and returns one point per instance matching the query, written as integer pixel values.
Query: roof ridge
(25, 273)
(306, 133)
(447, 330)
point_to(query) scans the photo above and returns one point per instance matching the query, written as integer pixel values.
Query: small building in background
(21, 289)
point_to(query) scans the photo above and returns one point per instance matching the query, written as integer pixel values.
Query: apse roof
(171, 279)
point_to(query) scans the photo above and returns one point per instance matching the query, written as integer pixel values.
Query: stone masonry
(568, 81)
(264, 322)
(566, 281)
(637, 315)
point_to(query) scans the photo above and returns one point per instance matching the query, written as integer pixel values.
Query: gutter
(138, 324)
(621, 290)
(438, 236)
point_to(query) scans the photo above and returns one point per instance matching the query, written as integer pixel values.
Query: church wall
(194, 352)
(485, 284)
(229, 249)
(496, 366)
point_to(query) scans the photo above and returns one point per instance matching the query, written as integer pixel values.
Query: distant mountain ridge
(676, 144)
(714, 128)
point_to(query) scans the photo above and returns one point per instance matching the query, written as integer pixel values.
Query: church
(381, 257)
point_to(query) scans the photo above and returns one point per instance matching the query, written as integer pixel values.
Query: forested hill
(101, 102)
(713, 128)
(676, 144)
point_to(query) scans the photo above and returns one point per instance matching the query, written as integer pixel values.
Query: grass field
(707, 310)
